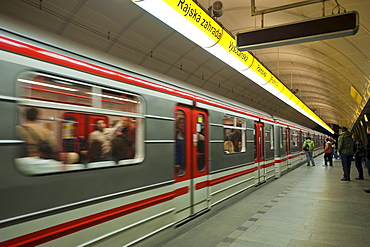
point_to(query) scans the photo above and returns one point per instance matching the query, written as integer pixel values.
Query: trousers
(346, 165)
(309, 157)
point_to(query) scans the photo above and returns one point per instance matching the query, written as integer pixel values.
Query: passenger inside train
(180, 144)
(69, 139)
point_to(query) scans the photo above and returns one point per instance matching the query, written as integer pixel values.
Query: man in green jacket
(309, 152)
(345, 149)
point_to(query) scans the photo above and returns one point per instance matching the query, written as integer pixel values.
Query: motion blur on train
(99, 152)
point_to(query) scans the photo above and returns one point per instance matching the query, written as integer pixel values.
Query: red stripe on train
(45, 55)
(294, 156)
(58, 231)
(268, 165)
(54, 232)
(202, 185)
(181, 191)
(231, 176)
(282, 160)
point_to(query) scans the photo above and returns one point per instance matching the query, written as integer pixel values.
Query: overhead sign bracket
(283, 7)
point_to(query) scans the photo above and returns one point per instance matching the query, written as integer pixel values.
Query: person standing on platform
(328, 156)
(358, 150)
(335, 150)
(368, 154)
(308, 146)
(345, 149)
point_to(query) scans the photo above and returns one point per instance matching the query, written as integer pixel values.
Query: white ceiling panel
(322, 72)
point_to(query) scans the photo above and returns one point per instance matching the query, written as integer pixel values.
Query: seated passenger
(99, 143)
(180, 146)
(235, 137)
(74, 147)
(228, 147)
(201, 151)
(37, 139)
(123, 141)
(240, 146)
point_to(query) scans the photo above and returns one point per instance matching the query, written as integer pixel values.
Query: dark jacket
(368, 147)
(345, 143)
(358, 149)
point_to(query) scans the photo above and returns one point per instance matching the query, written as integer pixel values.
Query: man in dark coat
(345, 149)
(368, 154)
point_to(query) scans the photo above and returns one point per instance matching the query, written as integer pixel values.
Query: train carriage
(136, 157)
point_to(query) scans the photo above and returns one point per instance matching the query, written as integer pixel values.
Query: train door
(300, 144)
(260, 151)
(191, 161)
(287, 143)
(300, 140)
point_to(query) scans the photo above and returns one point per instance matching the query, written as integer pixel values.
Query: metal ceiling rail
(283, 7)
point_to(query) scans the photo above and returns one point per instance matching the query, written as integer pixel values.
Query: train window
(39, 86)
(283, 137)
(268, 137)
(234, 134)
(294, 138)
(180, 140)
(299, 140)
(271, 137)
(201, 157)
(76, 133)
(119, 101)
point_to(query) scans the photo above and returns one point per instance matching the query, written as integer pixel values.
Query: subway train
(99, 152)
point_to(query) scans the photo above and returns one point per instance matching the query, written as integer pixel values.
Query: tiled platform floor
(308, 207)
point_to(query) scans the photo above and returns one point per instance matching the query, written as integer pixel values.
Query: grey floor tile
(309, 206)
(234, 235)
(223, 244)
(304, 243)
(246, 243)
(338, 240)
(260, 236)
(228, 240)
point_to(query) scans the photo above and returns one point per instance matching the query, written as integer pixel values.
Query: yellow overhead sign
(356, 95)
(261, 70)
(228, 43)
(191, 20)
(277, 84)
(196, 15)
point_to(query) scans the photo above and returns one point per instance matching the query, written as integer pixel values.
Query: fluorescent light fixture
(192, 21)
(361, 123)
(164, 11)
(112, 97)
(365, 117)
(253, 76)
(226, 57)
(273, 90)
(46, 85)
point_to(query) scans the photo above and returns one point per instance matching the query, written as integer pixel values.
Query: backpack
(307, 147)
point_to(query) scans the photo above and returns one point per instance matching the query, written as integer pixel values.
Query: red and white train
(185, 153)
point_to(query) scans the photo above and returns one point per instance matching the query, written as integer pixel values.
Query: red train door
(260, 151)
(191, 161)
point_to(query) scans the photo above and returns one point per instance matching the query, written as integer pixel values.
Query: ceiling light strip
(189, 19)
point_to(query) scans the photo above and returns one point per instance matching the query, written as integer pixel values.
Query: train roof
(71, 47)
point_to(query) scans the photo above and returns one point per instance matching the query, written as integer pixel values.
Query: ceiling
(321, 72)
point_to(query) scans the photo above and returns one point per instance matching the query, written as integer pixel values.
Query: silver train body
(170, 176)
